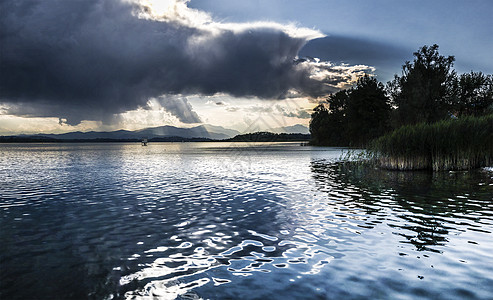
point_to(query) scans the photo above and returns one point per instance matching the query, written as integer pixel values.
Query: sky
(130, 64)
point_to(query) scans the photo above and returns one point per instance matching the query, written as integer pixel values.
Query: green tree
(328, 122)
(352, 117)
(473, 94)
(337, 118)
(319, 125)
(422, 93)
(367, 112)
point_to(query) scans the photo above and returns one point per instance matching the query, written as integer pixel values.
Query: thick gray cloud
(91, 59)
(180, 108)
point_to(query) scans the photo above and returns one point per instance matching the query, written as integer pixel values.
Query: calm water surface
(236, 221)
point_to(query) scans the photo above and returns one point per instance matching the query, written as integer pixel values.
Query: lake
(236, 221)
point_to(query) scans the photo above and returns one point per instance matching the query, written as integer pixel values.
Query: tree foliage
(429, 90)
(422, 92)
(473, 94)
(320, 126)
(353, 116)
(336, 120)
(368, 111)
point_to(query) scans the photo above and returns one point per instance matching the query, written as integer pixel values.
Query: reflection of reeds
(455, 144)
(425, 208)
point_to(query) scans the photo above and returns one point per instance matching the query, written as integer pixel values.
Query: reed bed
(454, 144)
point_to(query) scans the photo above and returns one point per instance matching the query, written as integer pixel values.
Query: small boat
(144, 142)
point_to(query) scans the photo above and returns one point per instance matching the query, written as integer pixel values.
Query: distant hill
(163, 132)
(202, 131)
(220, 130)
(298, 128)
(42, 139)
(168, 134)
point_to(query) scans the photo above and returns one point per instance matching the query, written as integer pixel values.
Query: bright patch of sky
(242, 114)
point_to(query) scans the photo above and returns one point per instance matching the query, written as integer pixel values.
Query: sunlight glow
(172, 11)
(159, 7)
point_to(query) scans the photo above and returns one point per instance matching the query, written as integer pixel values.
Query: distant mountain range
(199, 132)
(298, 128)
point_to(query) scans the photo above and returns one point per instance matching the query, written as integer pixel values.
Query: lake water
(236, 221)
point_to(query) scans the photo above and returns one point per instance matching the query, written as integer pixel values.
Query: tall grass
(455, 144)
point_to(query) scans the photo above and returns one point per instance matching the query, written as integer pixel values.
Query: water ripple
(191, 221)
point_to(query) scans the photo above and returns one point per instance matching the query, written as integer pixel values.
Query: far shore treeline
(404, 115)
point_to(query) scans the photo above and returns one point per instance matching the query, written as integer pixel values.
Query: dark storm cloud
(91, 59)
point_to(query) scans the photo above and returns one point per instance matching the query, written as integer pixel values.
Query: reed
(454, 144)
